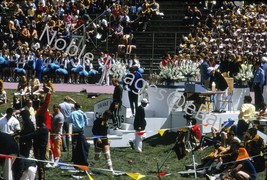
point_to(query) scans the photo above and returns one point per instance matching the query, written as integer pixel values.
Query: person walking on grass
(57, 126)
(139, 127)
(101, 142)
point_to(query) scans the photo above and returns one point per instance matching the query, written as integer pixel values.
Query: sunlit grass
(157, 149)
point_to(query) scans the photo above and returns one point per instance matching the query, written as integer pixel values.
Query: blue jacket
(264, 67)
(204, 71)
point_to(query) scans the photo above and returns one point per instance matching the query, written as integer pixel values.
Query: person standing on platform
(139, 127)
(66, 108)
(134, 81)
(264, 67)
(220, 84)
(257, 84)
(116, 104)
(204, 74)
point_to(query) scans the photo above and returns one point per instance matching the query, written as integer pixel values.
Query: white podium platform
(161, 99)
(238, 97)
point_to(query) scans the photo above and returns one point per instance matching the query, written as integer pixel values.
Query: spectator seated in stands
(154, 7)
(131, 44)
(134, 62)
(118, 33)
(188, 16)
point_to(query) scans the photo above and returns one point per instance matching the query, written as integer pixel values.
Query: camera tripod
(184, 139)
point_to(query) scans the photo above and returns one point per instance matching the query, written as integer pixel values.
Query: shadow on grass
(167, 139)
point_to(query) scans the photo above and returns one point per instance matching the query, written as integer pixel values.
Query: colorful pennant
(89, 176)
(141, 133)
(6, 156)
(161, 174)
(162, 131)
(136, 176)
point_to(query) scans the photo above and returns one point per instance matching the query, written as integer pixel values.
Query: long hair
(2, 85)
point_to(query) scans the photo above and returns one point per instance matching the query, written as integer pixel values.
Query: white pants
(219, 100)
(8, 175)
(105, 75)
(29, 174)
(138, 144)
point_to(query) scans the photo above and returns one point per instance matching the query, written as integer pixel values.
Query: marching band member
(105, 60)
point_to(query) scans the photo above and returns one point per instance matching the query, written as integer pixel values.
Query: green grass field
(157, 150)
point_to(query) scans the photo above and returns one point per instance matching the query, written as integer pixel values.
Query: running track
(90, 88)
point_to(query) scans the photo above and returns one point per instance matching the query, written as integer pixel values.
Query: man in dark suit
(139, 126)
(116, 104)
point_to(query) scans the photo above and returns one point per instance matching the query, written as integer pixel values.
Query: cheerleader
(54, 65)
(45, 65)
(19, 70)
(30, 63)
(87, 71)
(62, 72)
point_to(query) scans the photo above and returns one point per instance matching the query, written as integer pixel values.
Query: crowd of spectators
(230, 36)
(25, 51)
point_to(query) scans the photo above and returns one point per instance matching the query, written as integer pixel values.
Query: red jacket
(43, 111)
(196, 131)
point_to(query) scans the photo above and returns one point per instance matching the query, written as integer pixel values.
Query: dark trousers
(258, 96)
(65, 138)
(116, 120)
(74, 143)
(39, 154)
(206, 141)
(133, 98)
(242, 127)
